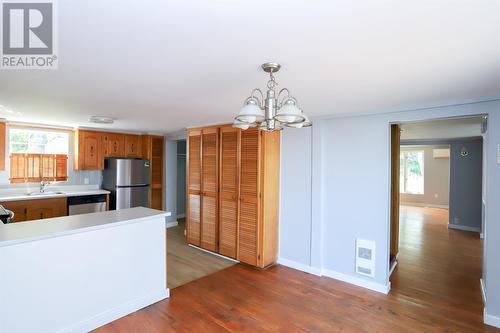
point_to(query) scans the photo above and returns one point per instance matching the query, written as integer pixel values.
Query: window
(411, 178)
(38, 154)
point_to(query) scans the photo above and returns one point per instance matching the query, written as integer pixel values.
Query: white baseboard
(384, 289)
(490, 319)
(464, 228)
(172, 224)
(213, 253)
(483, 291)
(299, 266)
(180, 216)
(336, 275)
(418, 204)
(122, 310)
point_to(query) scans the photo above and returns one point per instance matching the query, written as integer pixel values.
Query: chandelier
(275, 111)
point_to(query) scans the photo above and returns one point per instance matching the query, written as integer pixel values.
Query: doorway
(184, 263)
(437, 212)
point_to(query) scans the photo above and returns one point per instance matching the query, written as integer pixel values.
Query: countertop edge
(61, 233)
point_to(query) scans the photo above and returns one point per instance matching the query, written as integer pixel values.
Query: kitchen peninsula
(76, 273)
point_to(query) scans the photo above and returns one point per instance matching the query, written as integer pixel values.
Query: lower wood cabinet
(27, 210)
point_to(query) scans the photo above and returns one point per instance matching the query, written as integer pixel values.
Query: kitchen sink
(45, 193)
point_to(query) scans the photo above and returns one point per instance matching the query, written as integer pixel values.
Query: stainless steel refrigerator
(128, 180)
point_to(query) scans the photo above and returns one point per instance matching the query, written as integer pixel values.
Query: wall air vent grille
(365, 257)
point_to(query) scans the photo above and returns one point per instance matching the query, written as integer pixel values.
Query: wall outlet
(86, 180)
(456, 220)
(436, 195)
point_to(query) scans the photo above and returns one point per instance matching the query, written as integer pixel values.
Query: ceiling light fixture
(101, 120)
(272, 112)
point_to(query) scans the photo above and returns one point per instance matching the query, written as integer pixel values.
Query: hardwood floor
(428, 295)
(184, 263)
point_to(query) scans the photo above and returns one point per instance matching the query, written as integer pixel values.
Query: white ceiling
(442, 129)
(159, 66)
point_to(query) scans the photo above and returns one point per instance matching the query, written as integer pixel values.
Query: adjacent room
(441, 210)
(249, 166)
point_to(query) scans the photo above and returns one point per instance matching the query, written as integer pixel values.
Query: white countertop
(59, 192)
(21, 232)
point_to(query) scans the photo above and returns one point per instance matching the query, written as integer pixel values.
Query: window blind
(25, 168)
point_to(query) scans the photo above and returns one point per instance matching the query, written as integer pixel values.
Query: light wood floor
(435, 289)
(185, 263)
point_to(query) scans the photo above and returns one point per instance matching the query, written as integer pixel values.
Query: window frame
(56, 157)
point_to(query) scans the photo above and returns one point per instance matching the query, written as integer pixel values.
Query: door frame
(391, 202)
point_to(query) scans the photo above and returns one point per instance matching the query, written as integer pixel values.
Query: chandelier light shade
(251, 112)
(272, 112)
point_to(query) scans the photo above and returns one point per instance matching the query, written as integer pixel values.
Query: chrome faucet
(43, 184)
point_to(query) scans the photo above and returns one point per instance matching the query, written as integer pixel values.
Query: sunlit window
(412, 172)
(38, 141)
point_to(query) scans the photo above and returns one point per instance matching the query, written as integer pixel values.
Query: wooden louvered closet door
(249, 195)
(229, 190)
(193, 193)
(209, 188)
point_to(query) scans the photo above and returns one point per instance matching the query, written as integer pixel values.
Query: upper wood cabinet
(245, 211)
(114, 145)
(133, 146)
(3, 146)
(88, 153)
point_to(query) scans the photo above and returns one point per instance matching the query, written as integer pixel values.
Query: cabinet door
(249, 192)
(209, 187)
(18, 207)
(46, 208)
(90, 142)
(193, 193)
(115, 145)
(132, 146)
(229, 190)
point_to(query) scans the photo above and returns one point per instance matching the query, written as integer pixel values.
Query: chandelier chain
(271, 84)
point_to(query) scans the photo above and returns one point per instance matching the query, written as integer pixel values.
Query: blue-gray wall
(350, 193)
(466, 184)
(171, 179)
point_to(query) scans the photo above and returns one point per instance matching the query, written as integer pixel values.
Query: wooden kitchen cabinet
(87, 151)
(133, 146)
(115, 145)
(3, 146)
(27, 210)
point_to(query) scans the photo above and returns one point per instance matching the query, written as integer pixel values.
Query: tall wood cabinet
(152, 150)
(232, 192)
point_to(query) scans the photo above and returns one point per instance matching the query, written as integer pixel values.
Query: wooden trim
(395, 156)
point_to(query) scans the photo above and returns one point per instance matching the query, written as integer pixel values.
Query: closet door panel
(209, 188)
(249, 191)
(193, 227)
(193, 193)
(209, 223)
(229, 191)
